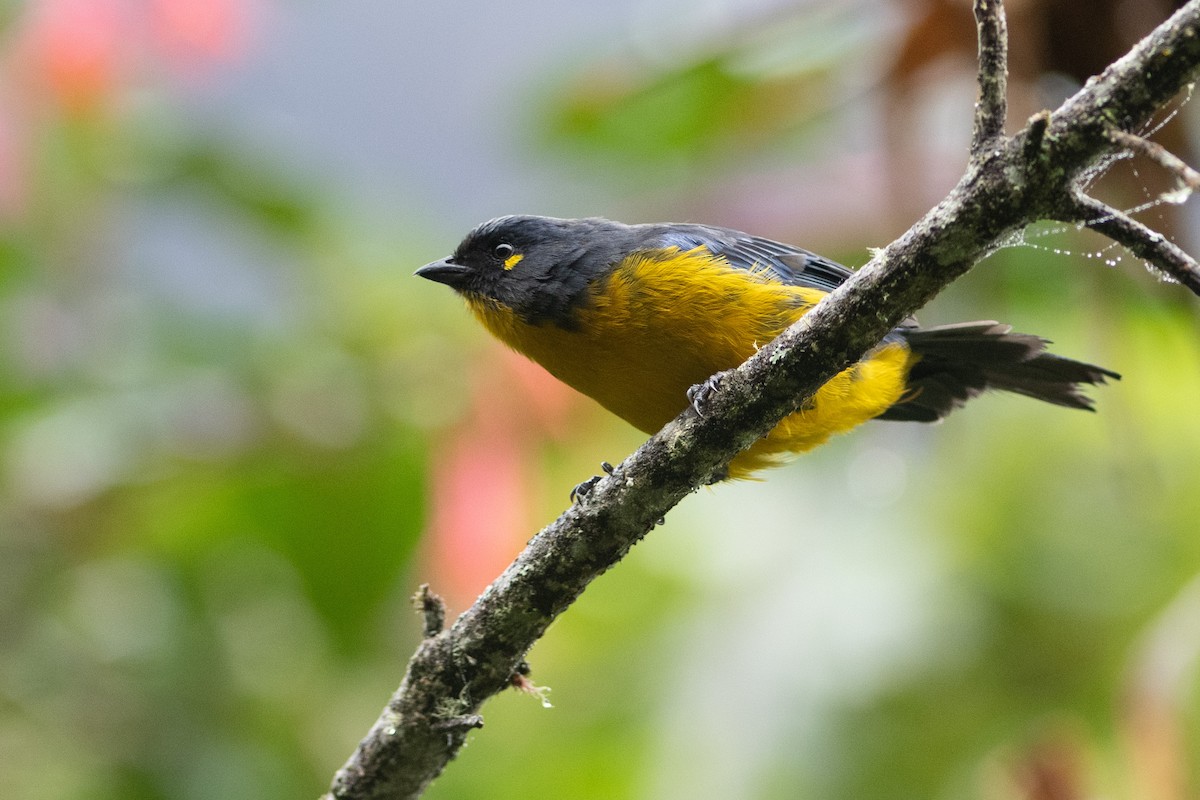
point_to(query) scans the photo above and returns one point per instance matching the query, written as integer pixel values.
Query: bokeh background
(235, 434)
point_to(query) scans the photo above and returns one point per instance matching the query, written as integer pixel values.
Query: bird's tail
(958, 362)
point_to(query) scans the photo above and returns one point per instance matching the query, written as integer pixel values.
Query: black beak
(445, 271)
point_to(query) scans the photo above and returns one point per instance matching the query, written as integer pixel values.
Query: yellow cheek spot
(513, 260)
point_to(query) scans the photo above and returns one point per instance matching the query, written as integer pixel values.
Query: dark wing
(791, 265)
(785, 263)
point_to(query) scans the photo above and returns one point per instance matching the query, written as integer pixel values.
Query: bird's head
(539, 267)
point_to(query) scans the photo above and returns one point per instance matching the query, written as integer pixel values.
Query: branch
(1143, 242)
(1188, 177)
(991, 110)
(1019, 180)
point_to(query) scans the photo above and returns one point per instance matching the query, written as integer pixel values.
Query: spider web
(1062, 240)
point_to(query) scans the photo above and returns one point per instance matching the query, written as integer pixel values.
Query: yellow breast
(664, 321)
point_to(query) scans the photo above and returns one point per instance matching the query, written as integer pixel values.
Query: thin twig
(1160, 155)
(1144, 242)
(433, 610)
(991, 110)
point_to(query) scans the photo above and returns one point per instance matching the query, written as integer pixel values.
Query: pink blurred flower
(485, 477)
(76, 59)
(199, 31)
(77, 49)
(83, 52)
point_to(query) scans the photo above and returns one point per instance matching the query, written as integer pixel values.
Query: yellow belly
(648, 336)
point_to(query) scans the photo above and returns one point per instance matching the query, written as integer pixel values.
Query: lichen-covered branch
(1188, 178)
(991, 110)
(1144, 242)
(1008, 184)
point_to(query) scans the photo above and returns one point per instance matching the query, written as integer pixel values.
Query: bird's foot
(584, 489)
(701, 393)
(718, 476)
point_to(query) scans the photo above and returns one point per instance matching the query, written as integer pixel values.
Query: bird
(640, 317)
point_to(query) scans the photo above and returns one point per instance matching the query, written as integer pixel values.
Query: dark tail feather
(959, 362)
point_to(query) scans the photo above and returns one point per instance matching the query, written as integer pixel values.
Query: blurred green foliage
(221, 411)
(765, 83)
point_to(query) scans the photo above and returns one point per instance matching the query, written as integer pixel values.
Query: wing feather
(783, 262)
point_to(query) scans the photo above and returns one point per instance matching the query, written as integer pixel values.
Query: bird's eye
(502, 251)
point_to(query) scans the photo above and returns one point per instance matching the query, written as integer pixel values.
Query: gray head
(540, 267)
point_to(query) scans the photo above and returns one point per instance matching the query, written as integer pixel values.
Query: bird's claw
(584, 489)
(718, 476)
(701, 393)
